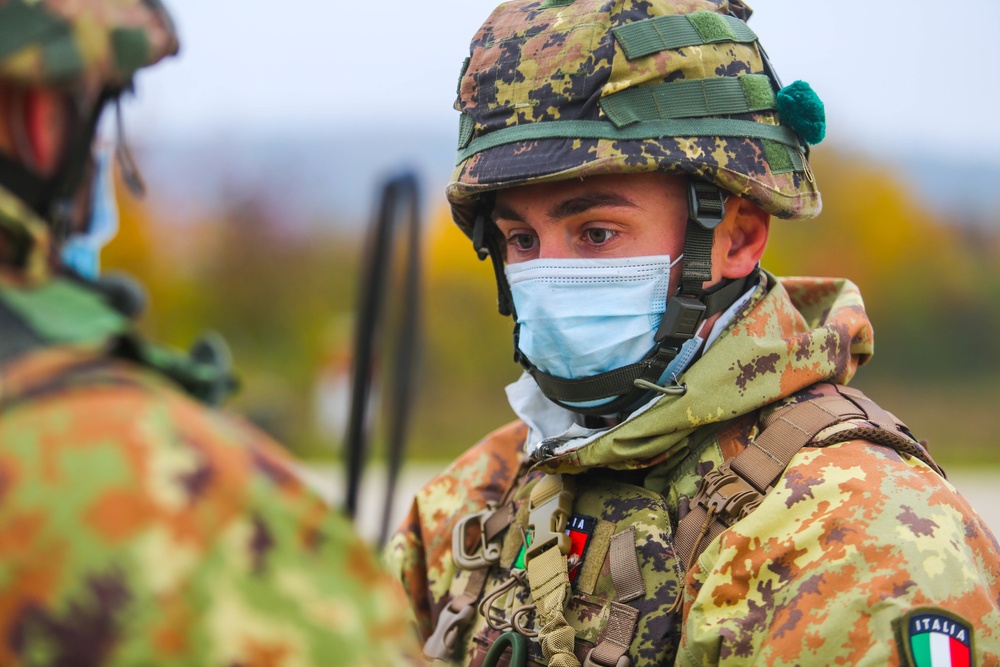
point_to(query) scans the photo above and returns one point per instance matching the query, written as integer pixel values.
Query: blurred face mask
(82, 252)
(581, 317)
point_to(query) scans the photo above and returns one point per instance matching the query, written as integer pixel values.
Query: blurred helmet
(89, 50)
(560, 89)
(96, 44)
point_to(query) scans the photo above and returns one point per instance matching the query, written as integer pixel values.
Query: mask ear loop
(129, 170)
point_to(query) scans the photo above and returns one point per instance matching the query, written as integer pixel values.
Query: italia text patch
(936, 638)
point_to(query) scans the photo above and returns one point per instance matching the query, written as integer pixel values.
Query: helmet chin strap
(628, 386)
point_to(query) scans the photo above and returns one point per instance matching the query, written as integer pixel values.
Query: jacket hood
(794, 333)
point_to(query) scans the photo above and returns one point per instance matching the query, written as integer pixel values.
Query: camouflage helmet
(94, 44)
(560, 89)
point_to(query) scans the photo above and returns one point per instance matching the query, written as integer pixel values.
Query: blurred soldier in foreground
(137, 526)
(690, 481)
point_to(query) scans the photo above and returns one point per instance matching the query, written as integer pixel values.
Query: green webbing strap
(653, 129)
(22, 24)
(690, 98)
(16, 339)
(62, 312)
(643, 38)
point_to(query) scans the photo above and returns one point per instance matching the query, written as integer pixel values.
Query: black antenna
(398, 206)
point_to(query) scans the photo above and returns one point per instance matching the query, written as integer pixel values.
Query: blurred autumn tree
(282, 293)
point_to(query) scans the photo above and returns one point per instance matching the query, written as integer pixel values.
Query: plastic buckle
(488, 554)
(706, 204)
(725, 494)
(681, 319)
(441, 644)
(547, 517)
(590, 662)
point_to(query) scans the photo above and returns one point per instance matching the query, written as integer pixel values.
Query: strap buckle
(726, 495)
(549, 509)
(441, 644)
(681, 319)
(589, 661)
(487, 554)
(706, 203)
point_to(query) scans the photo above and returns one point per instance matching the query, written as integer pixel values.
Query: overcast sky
(893, 75)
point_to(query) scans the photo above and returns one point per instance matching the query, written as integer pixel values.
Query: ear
(38, 120)
(740, 239)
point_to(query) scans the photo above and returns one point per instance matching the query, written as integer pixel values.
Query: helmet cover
(561, 89)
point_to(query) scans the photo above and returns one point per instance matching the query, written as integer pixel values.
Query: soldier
(690, 480)
(137, 525)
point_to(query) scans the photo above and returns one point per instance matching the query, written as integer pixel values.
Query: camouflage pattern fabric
(89, 44)
(535, 64)
(138, 527)
(853, 537)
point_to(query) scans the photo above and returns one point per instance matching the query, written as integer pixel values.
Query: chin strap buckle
(682, 318)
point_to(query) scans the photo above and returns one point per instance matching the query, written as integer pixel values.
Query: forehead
(644, 191)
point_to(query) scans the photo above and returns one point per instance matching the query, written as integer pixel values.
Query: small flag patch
(936, 638)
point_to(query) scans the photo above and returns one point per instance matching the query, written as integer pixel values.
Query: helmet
(89, 49)
(560, 89)
(94, 43)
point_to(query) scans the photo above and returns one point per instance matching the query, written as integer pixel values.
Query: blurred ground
(980, 486)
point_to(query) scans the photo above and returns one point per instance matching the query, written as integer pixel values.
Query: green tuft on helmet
(95, 45)
(565, 89)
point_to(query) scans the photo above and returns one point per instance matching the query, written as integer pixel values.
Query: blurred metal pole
(399, 204)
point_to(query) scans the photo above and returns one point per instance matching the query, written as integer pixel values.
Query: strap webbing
(603, 385)
(653, 129)
(662, 33)
(617, 636)
(757, 468)
(690, 98)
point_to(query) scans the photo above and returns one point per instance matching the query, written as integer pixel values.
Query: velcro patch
(934, 637)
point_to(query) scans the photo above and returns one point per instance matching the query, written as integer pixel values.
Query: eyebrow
(572, 206)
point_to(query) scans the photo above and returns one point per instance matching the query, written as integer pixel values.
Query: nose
(554, 243)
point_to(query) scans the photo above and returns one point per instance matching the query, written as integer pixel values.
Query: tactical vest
(65, 312)
(588, 569)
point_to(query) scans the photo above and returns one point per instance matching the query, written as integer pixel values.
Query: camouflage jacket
(138, 527)
(854, 557)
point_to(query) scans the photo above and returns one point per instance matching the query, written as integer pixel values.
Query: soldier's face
(616, 215)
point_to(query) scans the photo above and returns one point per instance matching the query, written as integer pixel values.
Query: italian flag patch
(936, 638)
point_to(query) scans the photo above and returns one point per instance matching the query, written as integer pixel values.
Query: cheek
(661, 240)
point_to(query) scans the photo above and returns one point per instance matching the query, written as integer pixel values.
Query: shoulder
(484, 469)
(852, 537)
(116, 478)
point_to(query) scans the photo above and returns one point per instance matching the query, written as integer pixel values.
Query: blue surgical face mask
(581, 317)
(82, 252)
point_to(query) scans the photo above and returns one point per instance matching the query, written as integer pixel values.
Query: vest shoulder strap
(737, 487)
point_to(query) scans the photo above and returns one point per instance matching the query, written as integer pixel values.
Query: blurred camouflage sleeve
(139, 528)
(851, 539)
(420, 551)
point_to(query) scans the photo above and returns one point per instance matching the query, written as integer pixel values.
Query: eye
(523, 241)
(599, 235)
